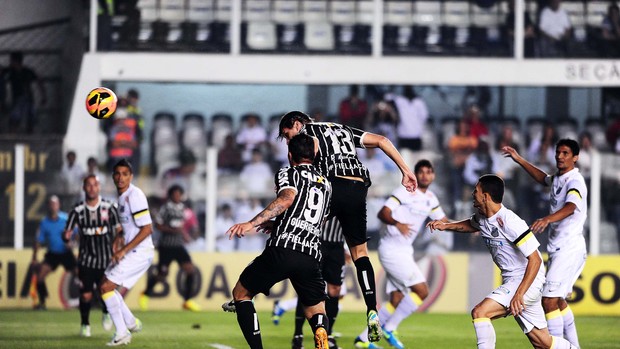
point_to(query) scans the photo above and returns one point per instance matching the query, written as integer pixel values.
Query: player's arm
(531, 270)
(166, 229)
(283, 201)
(385, 216)
(373, 140)
(144, 232)
(541, 224)
(463, 226)
(119, 240)
(536, 173)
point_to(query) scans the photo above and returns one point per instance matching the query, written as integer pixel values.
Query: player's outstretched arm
(517, 305)
(536, 173)
(463, 226)
(385, 216)
(541, 224)
(373, 140)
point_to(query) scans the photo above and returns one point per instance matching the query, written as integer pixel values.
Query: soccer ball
(101, 103)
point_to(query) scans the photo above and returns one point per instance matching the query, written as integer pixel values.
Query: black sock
(300, 318)
(248, 319)
(84, 311)
(189, 283)
(42, 291)
(317, 321)
(331, 308)
(366, 279)
(151, 281)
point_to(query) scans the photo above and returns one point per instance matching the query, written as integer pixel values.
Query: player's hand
(239, 230)
(403, 228)
(510, 152)
(436, 225)
(517, 306)
(409, 182)
(266, 227)
(118, 255)
(540, 225)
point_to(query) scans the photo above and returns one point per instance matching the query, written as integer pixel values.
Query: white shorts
(400, 267)
(534, 314)
(562, 272)
(129, 270)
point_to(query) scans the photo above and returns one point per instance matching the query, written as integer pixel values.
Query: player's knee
(188, 268)
(550, 304)
(333, 291)
(87, 296)
(240, 293)
(478, 312)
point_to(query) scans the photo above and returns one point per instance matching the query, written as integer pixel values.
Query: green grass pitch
(175, 329)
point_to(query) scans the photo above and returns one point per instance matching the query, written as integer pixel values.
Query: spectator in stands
(253, 240)
(382, 119)
(21, 105)
(460, 147)
(92, 168)
(192, 227)
(124, 135)
(353, 109)
(477, 164)
(412, 113)
(613, 134)
(585, 155)
(611, 31)
(556, 30)
(180, 175)
(135, 112)
(505, 167)
(72, 174)
(256, 176)
(529, 31)
(223, 221)
(279, 150)
(252, 135)
(229, 157)
(477, 128)
(541, 152)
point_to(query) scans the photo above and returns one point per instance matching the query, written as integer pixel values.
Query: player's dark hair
(494, 186)
(88, 176)
(289, 119)
(301, 148)
(175, 187)
(572, 144)
(421, 164)
(123, 163)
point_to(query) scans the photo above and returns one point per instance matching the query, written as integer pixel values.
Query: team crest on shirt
(494, 232)
(500, 222)
(121, 208)
(557, 192)
(104, 214)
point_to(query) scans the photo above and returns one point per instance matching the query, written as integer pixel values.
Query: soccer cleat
(229, 307)
(298, 342)
(374, 327)
(365, 345)
(85, 331)
(332, 343)
(137, 327)
(120, 340)
(191, 305)
(106, 322)
(320, 339)
(144, 302)
(276, 313)
(392, 338)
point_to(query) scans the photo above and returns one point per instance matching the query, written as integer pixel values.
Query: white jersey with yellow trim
(510, 241)
(568, 233)
(412, 209)
(133, 211)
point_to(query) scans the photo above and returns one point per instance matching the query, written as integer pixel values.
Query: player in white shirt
(404, 214)
(514, 250)
(566, 246)
(133, 256)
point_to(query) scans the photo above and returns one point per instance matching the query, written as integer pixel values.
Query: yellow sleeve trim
(525, 238)
(481, 319)
(565, 311)
(554, 314)
(140, 213)
(107, 295)
(574, 192)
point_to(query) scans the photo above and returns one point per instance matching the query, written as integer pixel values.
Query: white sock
(130, 320)
(555, 323)
(560, 343)
(570, 330)
(288, 304)
(384, 315)
(407, 306)
(114, 309)
(485, 333)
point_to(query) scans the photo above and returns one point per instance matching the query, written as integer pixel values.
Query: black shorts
(349, 206)
(89, 277)
(332, 265)
(67, 260)
(276, 264)
(169, 254)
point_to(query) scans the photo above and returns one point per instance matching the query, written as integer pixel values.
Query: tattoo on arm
(276, 207)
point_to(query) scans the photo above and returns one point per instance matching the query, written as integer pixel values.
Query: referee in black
(293, 250)
(98, 224)
(336, 158)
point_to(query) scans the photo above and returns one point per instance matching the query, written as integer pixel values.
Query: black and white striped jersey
(332, 231)
(337, 155)
(96, 228)
(173, 215)
(299, 226)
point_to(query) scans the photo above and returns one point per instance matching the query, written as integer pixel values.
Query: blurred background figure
(72, 174)
(224, 220)
(412, 116)
(555, 29)
(353, 109)
(252, 135)
(611, 32)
